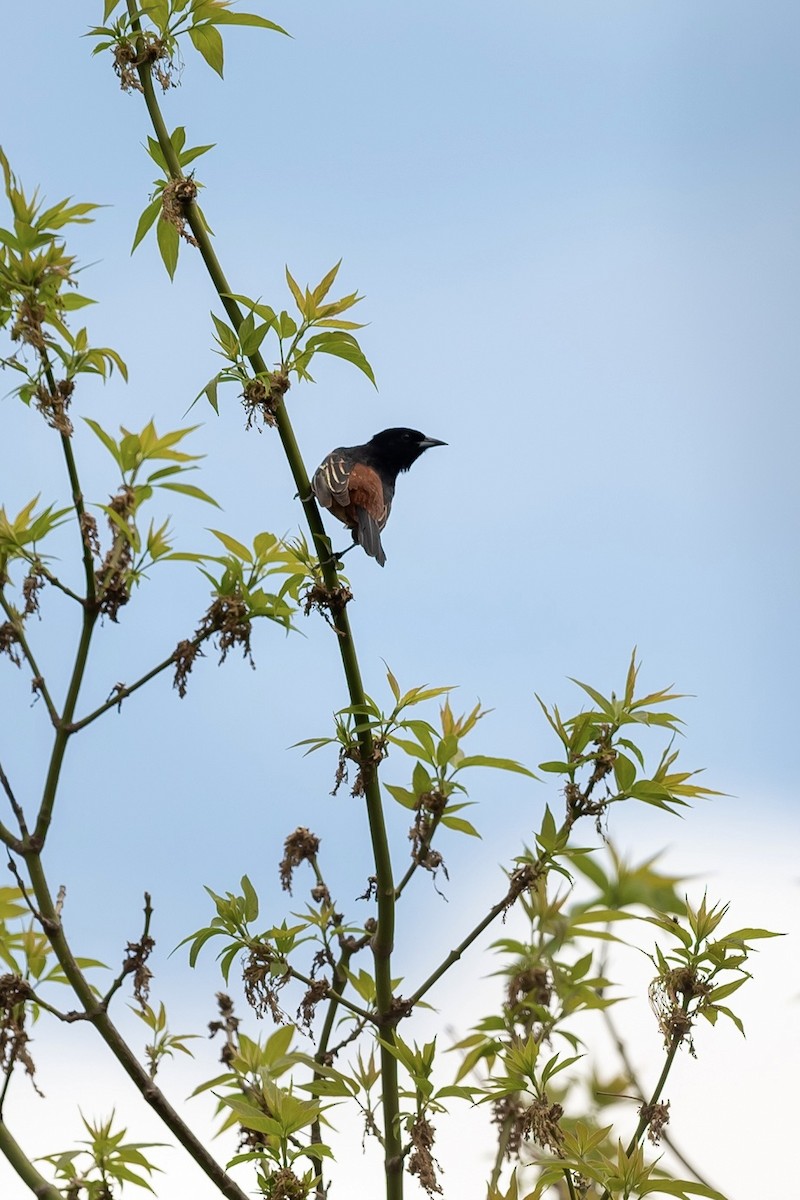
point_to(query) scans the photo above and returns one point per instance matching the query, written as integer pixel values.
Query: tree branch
(383, 941)
(117, 1044)
(27, 1172)
(122, 692)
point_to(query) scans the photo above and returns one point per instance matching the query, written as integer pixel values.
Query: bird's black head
(398, 449)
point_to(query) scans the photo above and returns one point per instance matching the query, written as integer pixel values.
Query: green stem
(657, 1090)
(454, 955)
(54, 580)
(128, 690)
(116, 1043)
(629, 1070)
(62, 732)
(336, 997)
(10, 840)
(338, 983)
(77, 494)
(27, 1172)
(502, 1145)
(77, 501)
(383, 941)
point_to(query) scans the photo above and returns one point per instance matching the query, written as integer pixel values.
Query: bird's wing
(366, 491)
(355, 494)
(330, 481)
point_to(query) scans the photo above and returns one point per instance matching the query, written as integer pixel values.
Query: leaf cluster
(104, 1161)
(319, 329)
(37, 278)
(166, 24)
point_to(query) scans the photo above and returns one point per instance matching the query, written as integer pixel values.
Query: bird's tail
(369, 536)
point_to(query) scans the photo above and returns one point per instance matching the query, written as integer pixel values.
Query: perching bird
(357, 482)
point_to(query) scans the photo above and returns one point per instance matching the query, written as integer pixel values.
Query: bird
(356, 483)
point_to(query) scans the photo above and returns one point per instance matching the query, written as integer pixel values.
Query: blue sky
(576, 229)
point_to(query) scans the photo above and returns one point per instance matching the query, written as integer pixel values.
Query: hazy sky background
(575, 225)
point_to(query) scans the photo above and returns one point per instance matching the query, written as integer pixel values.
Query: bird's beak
(427, 442)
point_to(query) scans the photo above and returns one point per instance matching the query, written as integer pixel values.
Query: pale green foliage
(103, 1161)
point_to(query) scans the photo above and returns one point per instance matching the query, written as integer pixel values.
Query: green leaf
(286, 325)
(402, 796)
(208, 41)
(188, 489)
(261, 310)
(624, 772)
(168, 245)
(325, 284)
(602, 703)
(500, 764)
(188, 156)
(250, 900)
(236, 548)
(251, 342)
(226, 17)
(352, 354)
(227, 338)
(393, 684)
(294, 288)
(71, 301)
(460, 825)
(145, 221)
(106, 439)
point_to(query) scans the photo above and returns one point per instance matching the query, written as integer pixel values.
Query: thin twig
(520, 881)
(8, 1072)
(122, 692)
(38, 683)
(37, 916)
(422, 850)
(129, 964)
(55, 581)
(6, 836)
(337, 997)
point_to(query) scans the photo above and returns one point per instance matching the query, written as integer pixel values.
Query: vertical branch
(45, 815)
(383, 941)
(77, 493)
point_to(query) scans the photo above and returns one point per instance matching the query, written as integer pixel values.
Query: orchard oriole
(356, 483)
